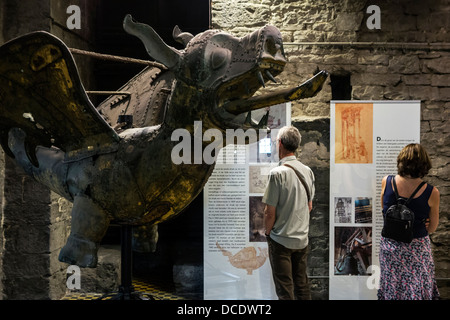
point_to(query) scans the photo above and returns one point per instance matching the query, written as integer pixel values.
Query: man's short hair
(290, 137)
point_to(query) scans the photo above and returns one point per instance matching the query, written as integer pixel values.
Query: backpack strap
(395, 187)
(412, 195)
(302, 180)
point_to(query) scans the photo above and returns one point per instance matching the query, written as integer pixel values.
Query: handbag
(399, 218)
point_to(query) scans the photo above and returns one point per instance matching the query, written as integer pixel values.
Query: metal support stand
(126, 289)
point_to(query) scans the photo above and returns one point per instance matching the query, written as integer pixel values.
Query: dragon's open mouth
(249, 102)
(269, 69)
(244, 87)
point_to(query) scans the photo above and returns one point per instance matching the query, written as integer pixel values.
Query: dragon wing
(41, 93)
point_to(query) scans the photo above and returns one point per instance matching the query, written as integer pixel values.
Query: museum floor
(159, 291)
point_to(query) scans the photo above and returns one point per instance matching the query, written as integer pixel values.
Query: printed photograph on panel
(353, 132)
(352, 250)
(258, 178)
(363, 210)
(256, 221)
(342, 210)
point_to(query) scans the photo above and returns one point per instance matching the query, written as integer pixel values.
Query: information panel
(365, 139)
(236, 262)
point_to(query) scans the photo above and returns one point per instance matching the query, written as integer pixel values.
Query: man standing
(288, 202)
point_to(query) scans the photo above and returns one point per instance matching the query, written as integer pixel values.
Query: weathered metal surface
(146, 103)
(127, 175)
(40, 88)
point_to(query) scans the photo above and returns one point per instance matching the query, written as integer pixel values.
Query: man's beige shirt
(286, 193)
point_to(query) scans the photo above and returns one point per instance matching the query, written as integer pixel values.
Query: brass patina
(123, 173)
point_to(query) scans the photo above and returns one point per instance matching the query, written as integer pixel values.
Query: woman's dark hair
(413, 161)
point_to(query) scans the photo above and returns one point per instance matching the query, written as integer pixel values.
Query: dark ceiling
(192, 16)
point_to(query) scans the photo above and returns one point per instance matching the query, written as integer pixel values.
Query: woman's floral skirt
(407, 270)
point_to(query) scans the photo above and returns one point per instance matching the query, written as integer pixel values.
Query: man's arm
(269, 217)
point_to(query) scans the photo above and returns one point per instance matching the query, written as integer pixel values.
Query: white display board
(365, 139)
(236, 262)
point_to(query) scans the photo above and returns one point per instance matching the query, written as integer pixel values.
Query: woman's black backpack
(399, 219)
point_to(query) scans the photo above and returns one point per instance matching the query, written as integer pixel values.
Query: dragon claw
(4, 136)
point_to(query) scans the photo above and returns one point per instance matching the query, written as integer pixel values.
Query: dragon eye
(219, 57)
(271, 47)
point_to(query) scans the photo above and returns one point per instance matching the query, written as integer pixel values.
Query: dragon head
(236, 68)
(226, 69)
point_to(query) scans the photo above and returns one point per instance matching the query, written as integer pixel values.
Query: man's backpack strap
(302, 180)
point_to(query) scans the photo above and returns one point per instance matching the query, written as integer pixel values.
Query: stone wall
(405, 68)
(315, 152)
(34, 221)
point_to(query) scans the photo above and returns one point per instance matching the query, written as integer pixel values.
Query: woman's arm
(383, 186)
(433, 202)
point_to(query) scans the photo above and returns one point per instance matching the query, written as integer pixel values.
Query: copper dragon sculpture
(124, 174)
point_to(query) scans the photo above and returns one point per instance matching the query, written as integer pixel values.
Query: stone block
(32, 239)
(441, 124)
(188, 280)
(341, 58)
(21, 264)
(400, 92)
(58, 233)
(56, 266)
(348, 21)
(404, 64)
(433, 21)
(440, 80)
(424, 93)
(417, 79)
(61, 208)
(444, 94)
(438, 65)
(376, 79)
(318, 227)
(26, 288)
(105, 278)
(397, 21)
(436, 141)
(366, 92)
(319, 289)
(370, 58)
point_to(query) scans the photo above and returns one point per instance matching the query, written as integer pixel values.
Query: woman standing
(407, 269)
